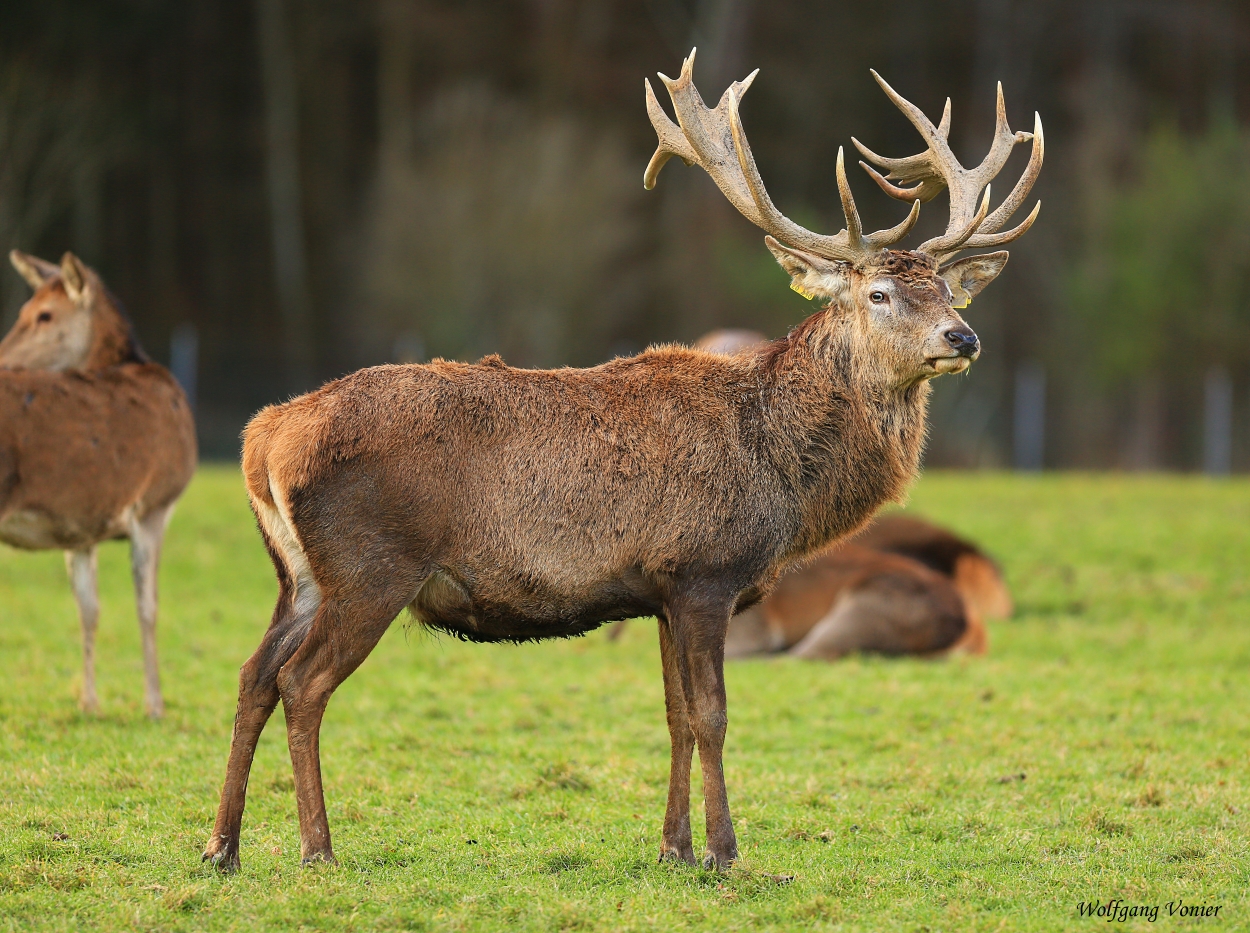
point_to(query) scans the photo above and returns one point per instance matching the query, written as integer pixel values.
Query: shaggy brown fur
(503, 505)
(95, 443)
(890, 606)
(900, 586)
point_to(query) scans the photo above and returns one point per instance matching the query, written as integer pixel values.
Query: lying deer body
(506, 504)
(972, 572)
(96, 443)
(854, 599)
(900, 587)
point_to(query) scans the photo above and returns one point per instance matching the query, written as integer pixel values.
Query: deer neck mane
(847, 438)
(113, 340)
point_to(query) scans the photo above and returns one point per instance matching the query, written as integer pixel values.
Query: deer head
(899, 305)
(70, 323)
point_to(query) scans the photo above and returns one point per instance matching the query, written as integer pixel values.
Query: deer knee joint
(713, 723)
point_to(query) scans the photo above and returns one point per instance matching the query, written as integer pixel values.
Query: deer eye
(44, 317)
(878, 297)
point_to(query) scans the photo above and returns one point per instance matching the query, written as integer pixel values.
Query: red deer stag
(96, 442)
(501, 504)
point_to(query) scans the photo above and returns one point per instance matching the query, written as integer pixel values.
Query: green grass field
(481, 788)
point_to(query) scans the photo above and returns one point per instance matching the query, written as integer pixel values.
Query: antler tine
(715, 140)
(854, 229)
(937, 168)
(1021, 191)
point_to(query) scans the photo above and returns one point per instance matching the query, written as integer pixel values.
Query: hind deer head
(70, 323)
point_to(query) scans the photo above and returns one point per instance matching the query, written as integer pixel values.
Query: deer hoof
(677, 854)
(715, 862)
(319, 858)
(222, 855)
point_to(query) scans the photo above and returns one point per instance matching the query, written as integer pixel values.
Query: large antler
(937, 168)
(715, 140)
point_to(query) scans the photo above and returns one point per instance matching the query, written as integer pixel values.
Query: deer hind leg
(298, 601)
(82, 574)
(146, 535)
(343, 634)
(700, 643)
(676, 844)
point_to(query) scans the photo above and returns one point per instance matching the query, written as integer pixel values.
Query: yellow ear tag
(967, 301)
(796, 287)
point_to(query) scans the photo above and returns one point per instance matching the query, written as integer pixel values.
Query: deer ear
(810, 275)
(967, 277)
(33, 269)
(74, 277)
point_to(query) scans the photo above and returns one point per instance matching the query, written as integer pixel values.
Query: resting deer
(855, 599)
(975, 575)
(901, 586)
(502, 504)
(96, 442)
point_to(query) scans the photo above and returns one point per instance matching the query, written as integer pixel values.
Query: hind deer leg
(700, 643)
(82, 574)
(342, 635)
(258, 696)
(146, 535)
(676, 843)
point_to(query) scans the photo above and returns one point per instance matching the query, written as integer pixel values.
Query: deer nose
(963, 340)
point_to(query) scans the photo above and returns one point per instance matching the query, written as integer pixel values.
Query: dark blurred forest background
(281, 192)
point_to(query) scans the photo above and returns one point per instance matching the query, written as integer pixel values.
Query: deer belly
(451, 605)
(34, 530)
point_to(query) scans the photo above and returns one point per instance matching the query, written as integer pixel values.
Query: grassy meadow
(1099, 751)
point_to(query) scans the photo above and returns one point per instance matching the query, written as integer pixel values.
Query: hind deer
(974, 574)
(96, 442)
(502, 504)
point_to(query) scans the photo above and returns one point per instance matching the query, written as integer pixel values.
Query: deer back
(83, 453)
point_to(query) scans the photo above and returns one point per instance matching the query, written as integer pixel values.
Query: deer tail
(982, 587)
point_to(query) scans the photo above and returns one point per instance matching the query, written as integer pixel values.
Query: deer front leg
(82, 575)
(700, 640)
(146, 535)
(676, 843)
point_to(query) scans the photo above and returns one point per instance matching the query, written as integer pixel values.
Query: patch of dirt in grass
(561, 775)
(1150, 797)
(558, 862)
(1101, 824)
(187, 898)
